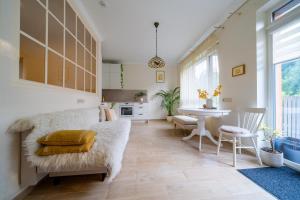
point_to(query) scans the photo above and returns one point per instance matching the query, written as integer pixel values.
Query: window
(203, 74)
(286, 63)
(55, 46)
(286, 8)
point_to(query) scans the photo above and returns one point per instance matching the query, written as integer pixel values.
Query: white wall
(237, 45)
(140, 76)
(19, 98)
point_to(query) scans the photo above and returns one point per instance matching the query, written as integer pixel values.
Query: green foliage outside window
(291, 78)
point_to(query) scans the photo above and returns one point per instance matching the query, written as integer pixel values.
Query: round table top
(203, 111)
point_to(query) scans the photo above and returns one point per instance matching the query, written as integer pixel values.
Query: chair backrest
(251, 119)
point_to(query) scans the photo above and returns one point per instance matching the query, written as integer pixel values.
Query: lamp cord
(156, 42)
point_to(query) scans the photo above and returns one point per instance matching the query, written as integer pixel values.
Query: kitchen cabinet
(111, 76)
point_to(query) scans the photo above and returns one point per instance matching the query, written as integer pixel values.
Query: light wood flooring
(158, 165)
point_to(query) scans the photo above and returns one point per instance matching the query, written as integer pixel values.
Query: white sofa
(105, 156)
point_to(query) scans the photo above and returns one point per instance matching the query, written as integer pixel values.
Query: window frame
(45, 84)
(272, 26)
(283, 7)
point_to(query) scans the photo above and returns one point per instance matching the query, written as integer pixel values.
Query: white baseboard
(292, 165)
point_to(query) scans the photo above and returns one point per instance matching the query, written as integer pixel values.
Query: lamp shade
(156, 62)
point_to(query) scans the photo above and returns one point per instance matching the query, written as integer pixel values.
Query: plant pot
(270, 158)
(169, 118)
(141, 100)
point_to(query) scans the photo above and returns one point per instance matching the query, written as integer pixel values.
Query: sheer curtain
(199, 70)
(202, 74)
(193, 77)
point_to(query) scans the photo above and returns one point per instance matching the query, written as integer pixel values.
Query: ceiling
(128, 34)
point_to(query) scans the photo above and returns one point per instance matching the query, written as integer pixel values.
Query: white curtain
(193, 77)
(286, 42)
(200, 74)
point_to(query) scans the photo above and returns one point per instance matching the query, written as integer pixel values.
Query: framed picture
(239, 70)
(160, 76)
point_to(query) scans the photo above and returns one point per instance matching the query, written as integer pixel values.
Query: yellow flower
(202, 94)
(217, 91)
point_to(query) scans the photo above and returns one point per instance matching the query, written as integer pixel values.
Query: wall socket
(227, 100)
(80, 101)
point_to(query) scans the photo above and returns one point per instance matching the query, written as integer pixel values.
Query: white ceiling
(128, 34)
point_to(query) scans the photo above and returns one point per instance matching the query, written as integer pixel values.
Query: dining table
(202, 114)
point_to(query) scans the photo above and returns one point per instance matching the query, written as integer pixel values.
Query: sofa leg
(102, 177)
(56, 181)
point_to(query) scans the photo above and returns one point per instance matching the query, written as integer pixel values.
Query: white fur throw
(108, 149)
(21, 125)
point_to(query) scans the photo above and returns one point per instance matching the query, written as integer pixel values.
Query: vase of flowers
(203, 94)
(269, 155)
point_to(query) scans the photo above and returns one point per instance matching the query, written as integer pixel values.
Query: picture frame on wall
(160, 76)
(239, 70)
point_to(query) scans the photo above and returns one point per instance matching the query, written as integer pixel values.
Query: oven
(126, 110)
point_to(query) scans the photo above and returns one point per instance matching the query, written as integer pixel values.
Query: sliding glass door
(286, 63)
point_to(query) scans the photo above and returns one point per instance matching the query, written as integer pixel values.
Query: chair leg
(234, 151)
(240, 144)
(200, 142)
(256, 151)
(219, 143)
(175, 128)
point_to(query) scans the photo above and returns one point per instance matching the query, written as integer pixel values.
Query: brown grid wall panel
(56, 48)
(69, 75)
(87, 80)
(32, 60)
(55, 69)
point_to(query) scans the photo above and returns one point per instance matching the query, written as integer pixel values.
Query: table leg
(208, 134)
(193, 133)
(201, 132)
(200, 142)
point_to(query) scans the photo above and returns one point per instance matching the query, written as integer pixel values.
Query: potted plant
(203, 94)
(269, 155)
(140, 95)
(170, 99)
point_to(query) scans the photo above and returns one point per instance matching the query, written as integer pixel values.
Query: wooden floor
(158, 165)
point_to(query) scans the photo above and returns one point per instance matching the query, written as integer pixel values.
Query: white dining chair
(247, 128)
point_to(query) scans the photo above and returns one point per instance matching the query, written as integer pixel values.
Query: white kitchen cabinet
(115, 81)
(134, 111)
(111, 76)
(140, 111)
(105, 68)
(115, 68)
(105, 81)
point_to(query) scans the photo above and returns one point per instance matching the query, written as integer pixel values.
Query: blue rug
(283, 182)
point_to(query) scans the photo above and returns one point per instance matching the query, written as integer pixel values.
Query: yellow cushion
(67, 137)
(53, 150)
